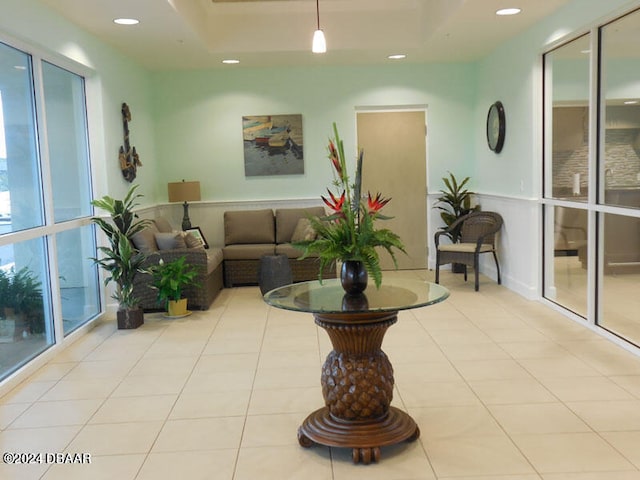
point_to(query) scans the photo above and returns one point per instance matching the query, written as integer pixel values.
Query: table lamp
(184, 192)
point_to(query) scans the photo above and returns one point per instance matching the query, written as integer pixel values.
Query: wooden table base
(365, 438)
(357, 386)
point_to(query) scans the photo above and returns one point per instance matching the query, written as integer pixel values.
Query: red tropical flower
(335, 203)
(334, 157)
(349, 231)
(376, 204)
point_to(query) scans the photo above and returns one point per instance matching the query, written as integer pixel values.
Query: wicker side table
(274, 272)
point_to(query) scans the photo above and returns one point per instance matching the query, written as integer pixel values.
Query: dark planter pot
(457, 268)
(130, 318)
(353, 277)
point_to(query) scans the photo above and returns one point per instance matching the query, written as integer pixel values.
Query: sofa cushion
(214, 258)
(287, 220)
(289, 250)
(249, 227)
(145, 240)
(163, 225)
(248, 251)
(304, 231)
(170, 241)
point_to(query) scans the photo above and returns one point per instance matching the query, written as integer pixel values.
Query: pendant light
(319, 44)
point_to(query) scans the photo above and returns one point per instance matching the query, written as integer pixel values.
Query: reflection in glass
(67, 142)
(78, 277)
(329, 297)
(25, 305)
(621, 276)
(566, 282)
(620, 68)
(20, 191)
(567, 94)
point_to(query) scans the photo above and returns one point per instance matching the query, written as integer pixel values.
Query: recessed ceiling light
(508, 11)
(397, 56)
(20, 67)
(585, 51)
(231, 61)
(126, 21)
(630, 102)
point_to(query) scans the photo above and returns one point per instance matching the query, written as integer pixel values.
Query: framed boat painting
(273, 145)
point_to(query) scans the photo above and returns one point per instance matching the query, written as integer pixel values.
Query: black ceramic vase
(353, 276)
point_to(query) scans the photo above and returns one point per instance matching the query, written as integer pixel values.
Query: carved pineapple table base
(357, 386)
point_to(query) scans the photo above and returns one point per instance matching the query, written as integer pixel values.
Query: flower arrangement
(349, 232)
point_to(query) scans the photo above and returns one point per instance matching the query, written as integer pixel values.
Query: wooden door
(394, 144)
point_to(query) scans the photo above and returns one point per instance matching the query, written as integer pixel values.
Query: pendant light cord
(318, 13)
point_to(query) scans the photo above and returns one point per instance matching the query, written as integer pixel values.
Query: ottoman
(274, 271)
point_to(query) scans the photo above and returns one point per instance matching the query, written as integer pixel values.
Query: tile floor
(619, 302)
(502, 388)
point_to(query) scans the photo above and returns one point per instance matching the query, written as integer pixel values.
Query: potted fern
(169, 279)
(21, 302)
(121, 260)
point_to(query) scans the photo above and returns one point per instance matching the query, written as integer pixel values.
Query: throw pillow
(191, 241)
(304, 231)
(170, 241)
(145, 240)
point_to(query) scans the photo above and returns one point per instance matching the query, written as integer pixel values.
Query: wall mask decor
(128, 157)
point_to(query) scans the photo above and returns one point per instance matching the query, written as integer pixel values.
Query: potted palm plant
(121, 260)
(453, 203)
(169, 279)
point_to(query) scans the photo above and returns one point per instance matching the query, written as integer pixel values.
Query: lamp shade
(319, 44)
(184, 191)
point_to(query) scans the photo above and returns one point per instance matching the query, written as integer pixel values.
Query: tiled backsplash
(622, 162)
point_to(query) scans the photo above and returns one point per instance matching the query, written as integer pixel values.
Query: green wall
(199, 120)
(187, 124)
(112, 79)
(513, 74)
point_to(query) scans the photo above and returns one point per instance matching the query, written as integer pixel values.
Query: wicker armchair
(478, 236)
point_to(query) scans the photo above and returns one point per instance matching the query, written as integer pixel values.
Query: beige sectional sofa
(161, 241)
(250, 234)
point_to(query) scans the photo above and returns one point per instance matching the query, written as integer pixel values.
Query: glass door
(566, 174)
(591, 197)
(619, 179)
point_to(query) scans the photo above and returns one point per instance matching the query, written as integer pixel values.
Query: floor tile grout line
(164, 422)
(253, 381)
(486, 408)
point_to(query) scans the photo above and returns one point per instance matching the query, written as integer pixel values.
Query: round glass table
(357, 376)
